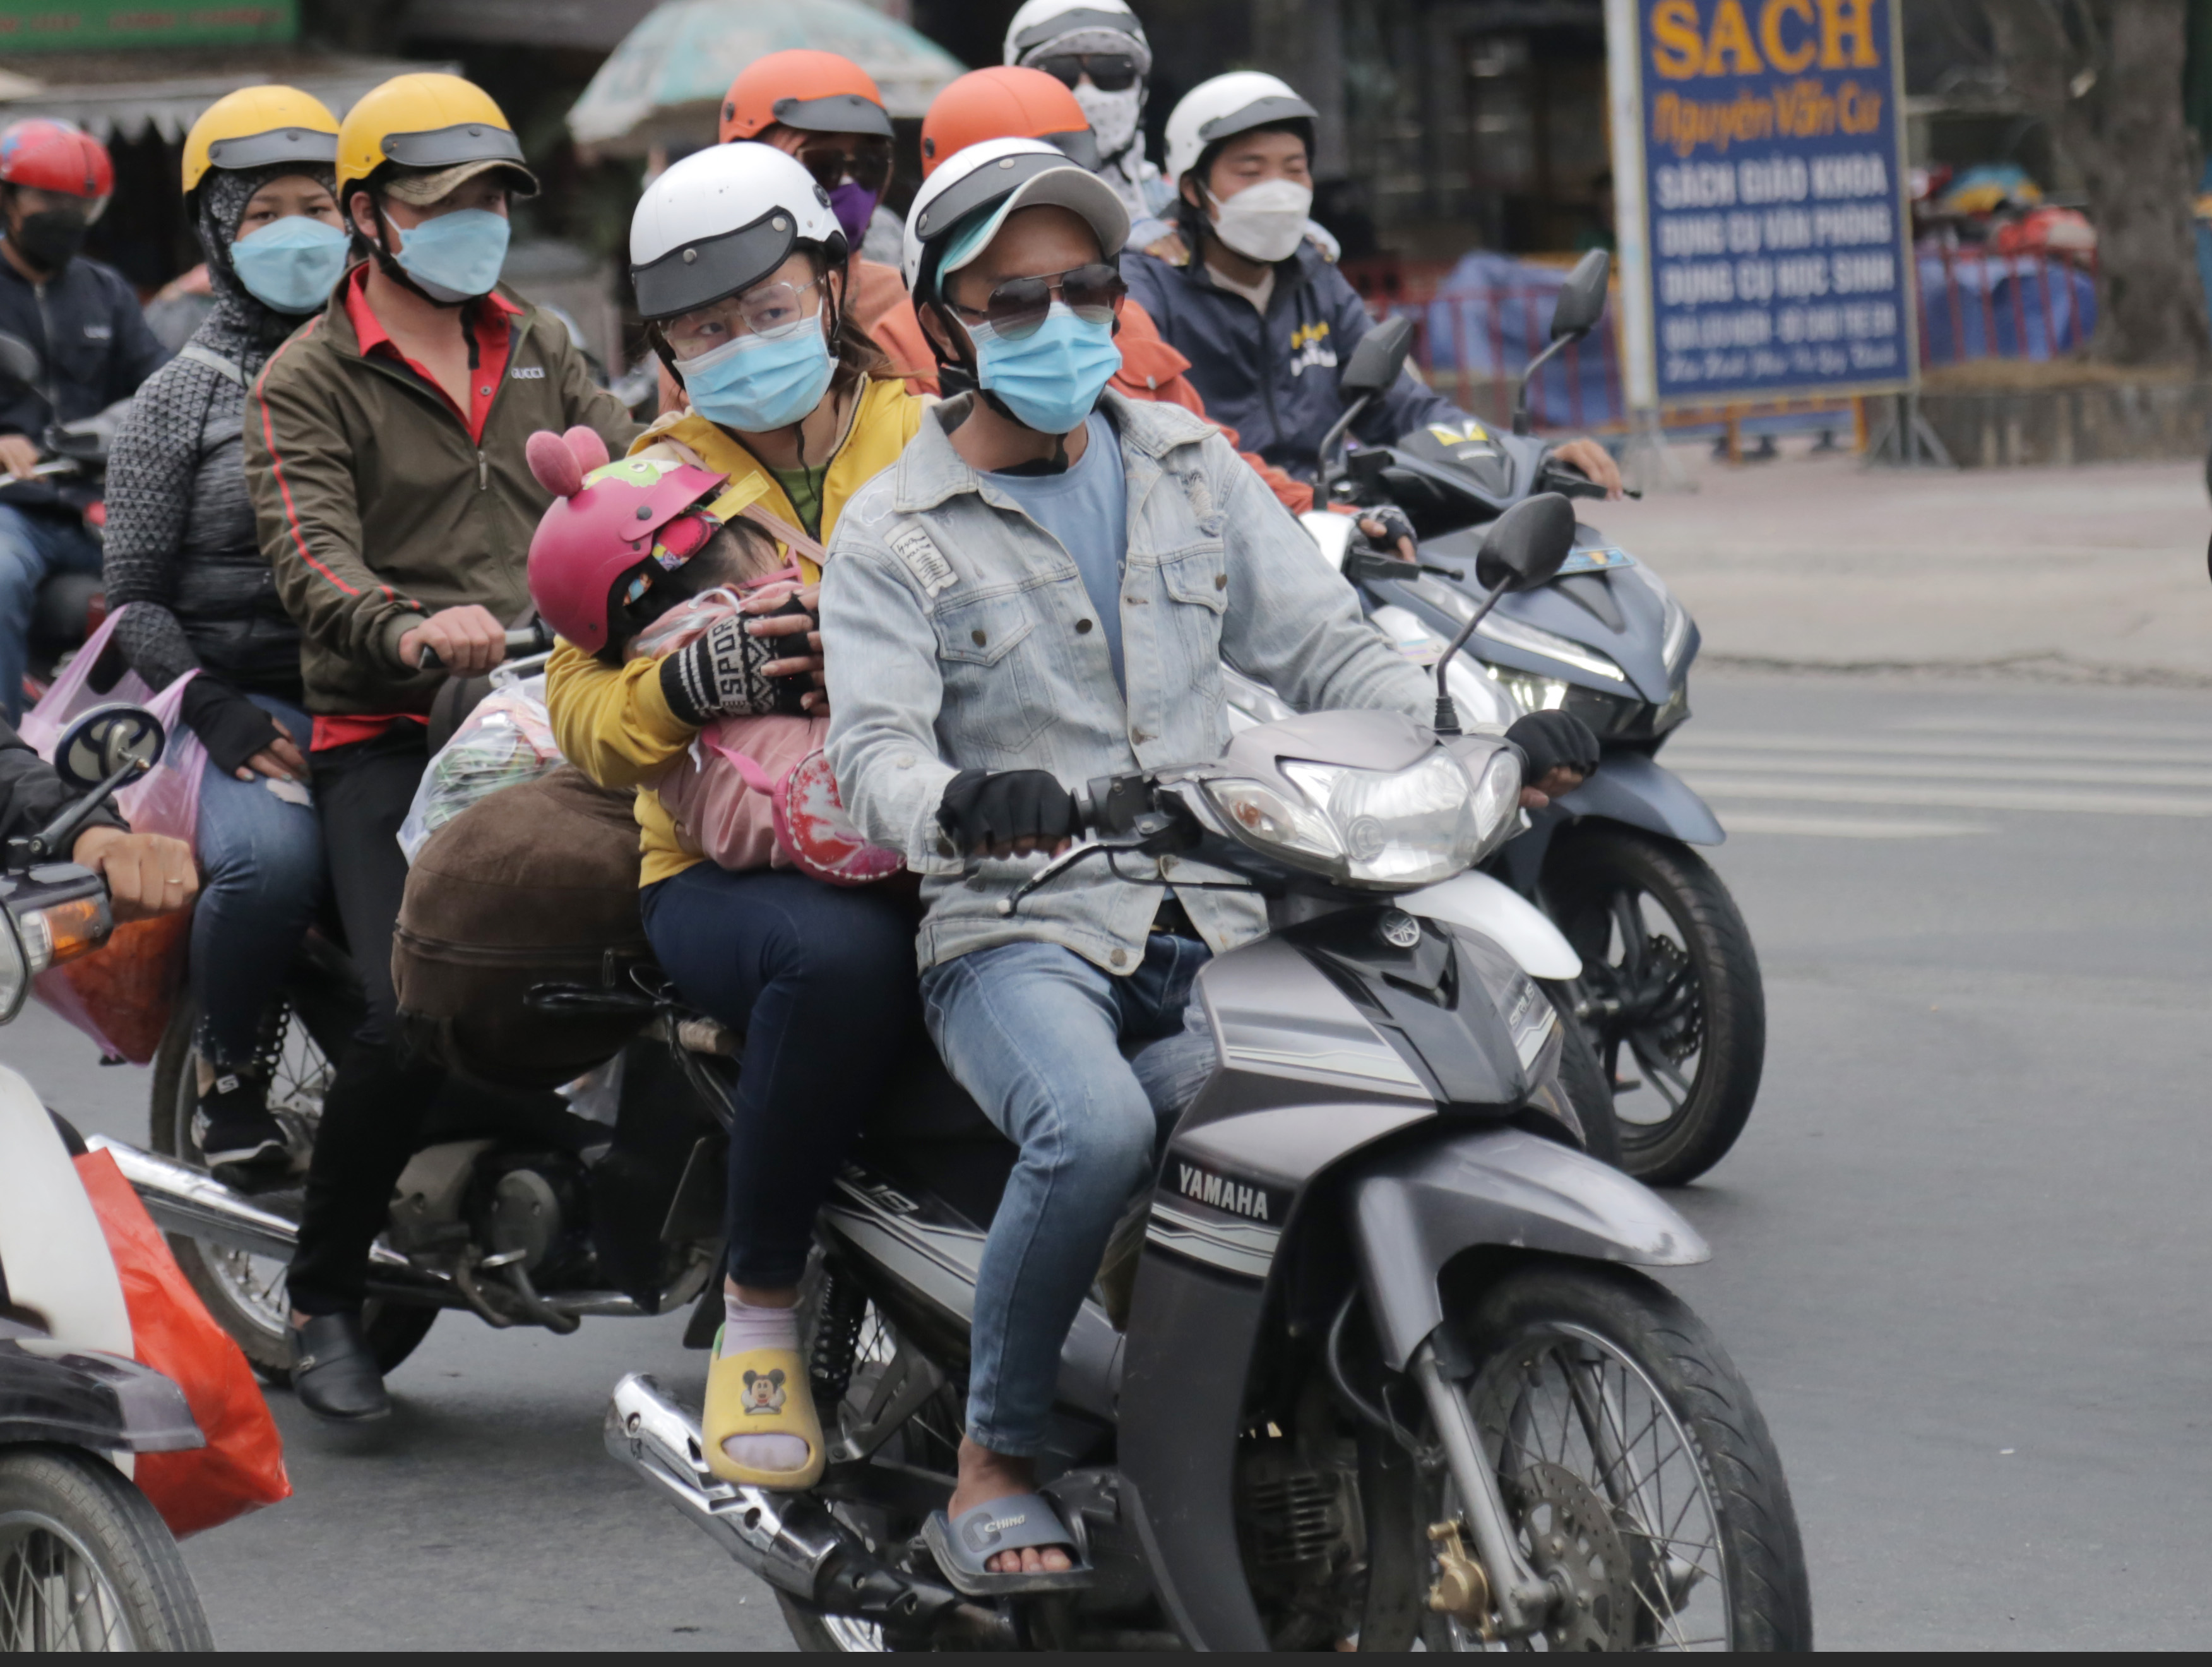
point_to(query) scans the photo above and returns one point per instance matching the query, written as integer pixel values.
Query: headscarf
(248, 329)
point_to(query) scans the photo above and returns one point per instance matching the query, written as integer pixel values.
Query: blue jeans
(820, 979)
(261, 880)
(1035, 1031)
(33, 544)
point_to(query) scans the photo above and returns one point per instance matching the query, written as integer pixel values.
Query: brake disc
(1573, 1543)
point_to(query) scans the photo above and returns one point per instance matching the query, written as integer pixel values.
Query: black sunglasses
(1018, 307)
(869, 167)
(1109, 72)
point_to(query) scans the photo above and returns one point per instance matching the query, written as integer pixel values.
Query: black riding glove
(230, 727)
(720, 673)
(1554, 741)
(1395, 526)
(986, 809)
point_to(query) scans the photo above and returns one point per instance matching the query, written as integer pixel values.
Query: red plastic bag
(242, 1468)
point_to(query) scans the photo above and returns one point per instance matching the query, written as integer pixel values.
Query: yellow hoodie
(616, 725)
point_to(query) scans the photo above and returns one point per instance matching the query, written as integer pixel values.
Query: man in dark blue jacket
(1265, 318)
(84, 326)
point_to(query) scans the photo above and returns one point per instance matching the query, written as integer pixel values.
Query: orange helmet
(1007, 103)
(817, 92)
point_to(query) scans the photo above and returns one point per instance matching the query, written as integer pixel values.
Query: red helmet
(59, 157)
(1005, 103)
(817, 92)
(605, 520)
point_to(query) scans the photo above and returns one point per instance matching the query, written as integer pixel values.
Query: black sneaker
(242, 1142)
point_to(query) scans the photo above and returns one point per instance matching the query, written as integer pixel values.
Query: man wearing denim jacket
(1042, 590)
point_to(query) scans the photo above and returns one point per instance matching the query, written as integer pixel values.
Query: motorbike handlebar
(521, 642)
(1569, 485)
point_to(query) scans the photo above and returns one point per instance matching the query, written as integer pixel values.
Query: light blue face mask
(1052, 378)
(293, 264)
(456, 256)
(757, 383)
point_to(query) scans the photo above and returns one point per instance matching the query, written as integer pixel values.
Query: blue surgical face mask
(1052, 378)
(293, 264)
(757, 383)
(456, 256)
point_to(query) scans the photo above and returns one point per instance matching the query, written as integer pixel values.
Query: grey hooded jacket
(958, 636)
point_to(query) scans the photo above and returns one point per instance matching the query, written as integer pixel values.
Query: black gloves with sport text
(988, 810)
(1554, 741)
(720, 674)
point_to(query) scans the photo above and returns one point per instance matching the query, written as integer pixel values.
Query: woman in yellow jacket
(740, 272)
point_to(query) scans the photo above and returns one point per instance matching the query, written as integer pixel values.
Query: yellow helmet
(256, 127)
(439, 123)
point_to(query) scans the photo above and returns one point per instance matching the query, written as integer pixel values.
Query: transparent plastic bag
(506, 741)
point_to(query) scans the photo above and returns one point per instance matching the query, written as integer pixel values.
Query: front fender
(1415, 1209)
(1634, 789)
(1499, 913)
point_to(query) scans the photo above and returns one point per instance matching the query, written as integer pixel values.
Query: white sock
(746, 1327)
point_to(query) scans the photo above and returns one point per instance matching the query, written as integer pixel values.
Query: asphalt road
(1961, 1252)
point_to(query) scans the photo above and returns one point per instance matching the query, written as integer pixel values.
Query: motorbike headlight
(15, 971)
(1496, 799)
(1674, 621)
(1398, 828)
(1277, 823)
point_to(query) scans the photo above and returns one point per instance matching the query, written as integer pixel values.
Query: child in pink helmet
(709, 703)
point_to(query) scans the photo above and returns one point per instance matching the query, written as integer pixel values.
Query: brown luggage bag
(535, 884)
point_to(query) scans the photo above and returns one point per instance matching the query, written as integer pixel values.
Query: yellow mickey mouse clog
(763, 1392)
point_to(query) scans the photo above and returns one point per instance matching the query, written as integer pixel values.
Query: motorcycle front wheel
(245, 1292)
(1636, 1467)
(85, 1563)
(1671, 994)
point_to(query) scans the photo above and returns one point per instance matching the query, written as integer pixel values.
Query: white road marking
(1882, 745)
(1838, 827)
(2087, 801)
(1957, 768)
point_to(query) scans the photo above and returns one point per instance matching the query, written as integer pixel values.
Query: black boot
(334, 1371)
(243, 1144)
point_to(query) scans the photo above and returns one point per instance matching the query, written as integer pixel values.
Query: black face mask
(51, 238)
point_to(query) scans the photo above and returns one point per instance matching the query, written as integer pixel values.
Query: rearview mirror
(19, 363)
(1379, 357)
(1528, 543)
(1582, 298)
(103, 741)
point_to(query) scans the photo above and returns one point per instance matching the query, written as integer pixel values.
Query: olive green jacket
(376, 509)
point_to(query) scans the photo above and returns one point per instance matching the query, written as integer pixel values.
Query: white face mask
(1264, 222)
(1112, 116)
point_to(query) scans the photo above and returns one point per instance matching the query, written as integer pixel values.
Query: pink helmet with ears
(606, 518)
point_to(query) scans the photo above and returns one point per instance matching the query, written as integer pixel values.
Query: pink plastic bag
(121, 994)
(71, 695)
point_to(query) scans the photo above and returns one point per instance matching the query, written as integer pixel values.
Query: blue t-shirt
(1086, 507)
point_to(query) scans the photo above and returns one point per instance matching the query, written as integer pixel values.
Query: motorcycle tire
(1634, 1463)
(244, 1293)
(85, 1563)
(1692, 987)
(1585, 1080)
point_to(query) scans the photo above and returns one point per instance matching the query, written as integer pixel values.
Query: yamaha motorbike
(85, 1563)
(1670, 989)
(1373, 1362)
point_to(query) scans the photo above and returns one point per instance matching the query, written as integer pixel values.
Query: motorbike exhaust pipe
(790, 1540)
(192, 1203)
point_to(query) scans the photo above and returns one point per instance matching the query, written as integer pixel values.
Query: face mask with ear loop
(1263, 222)
(453, 258)
(757, 384)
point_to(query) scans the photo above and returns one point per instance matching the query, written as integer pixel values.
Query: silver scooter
(85, 1563)
(1370, 1364)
